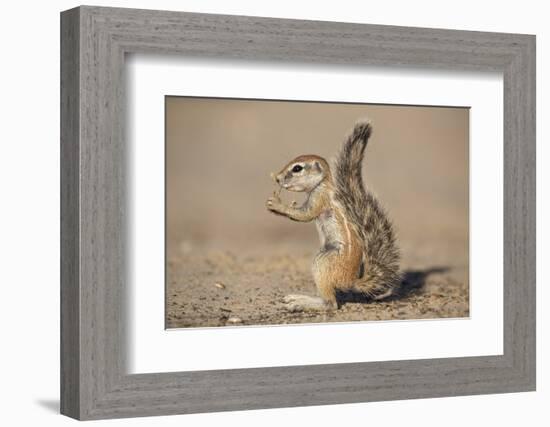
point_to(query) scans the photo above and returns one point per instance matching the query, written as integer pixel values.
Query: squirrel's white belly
(330, 231)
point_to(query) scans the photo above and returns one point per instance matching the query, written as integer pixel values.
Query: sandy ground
(220, 288)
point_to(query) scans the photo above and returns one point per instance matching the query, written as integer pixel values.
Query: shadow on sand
(412, 283)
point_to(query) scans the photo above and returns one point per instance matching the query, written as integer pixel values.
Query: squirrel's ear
(318, 166)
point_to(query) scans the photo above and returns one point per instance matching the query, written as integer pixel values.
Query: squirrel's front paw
(274, 204)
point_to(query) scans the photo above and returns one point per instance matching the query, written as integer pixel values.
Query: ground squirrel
(358, 249)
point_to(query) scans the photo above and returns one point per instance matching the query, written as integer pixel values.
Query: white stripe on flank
(345, 224)
(348, 233)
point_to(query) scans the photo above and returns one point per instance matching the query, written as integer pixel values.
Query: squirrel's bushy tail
(380, 253)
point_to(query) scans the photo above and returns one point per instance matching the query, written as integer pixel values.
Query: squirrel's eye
(297, 168)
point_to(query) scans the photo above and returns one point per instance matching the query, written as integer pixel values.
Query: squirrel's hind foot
(296, 303)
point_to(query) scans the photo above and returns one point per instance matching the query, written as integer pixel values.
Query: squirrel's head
(303, 174)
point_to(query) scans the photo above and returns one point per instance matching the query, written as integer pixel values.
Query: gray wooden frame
(94, 382)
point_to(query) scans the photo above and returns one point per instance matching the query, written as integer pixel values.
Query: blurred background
(220, 152)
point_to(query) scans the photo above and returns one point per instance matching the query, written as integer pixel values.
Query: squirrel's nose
(276, 178)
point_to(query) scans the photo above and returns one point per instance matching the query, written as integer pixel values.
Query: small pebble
(219, 285)
(234, 320)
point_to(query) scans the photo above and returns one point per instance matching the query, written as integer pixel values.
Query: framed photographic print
(262, 213)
